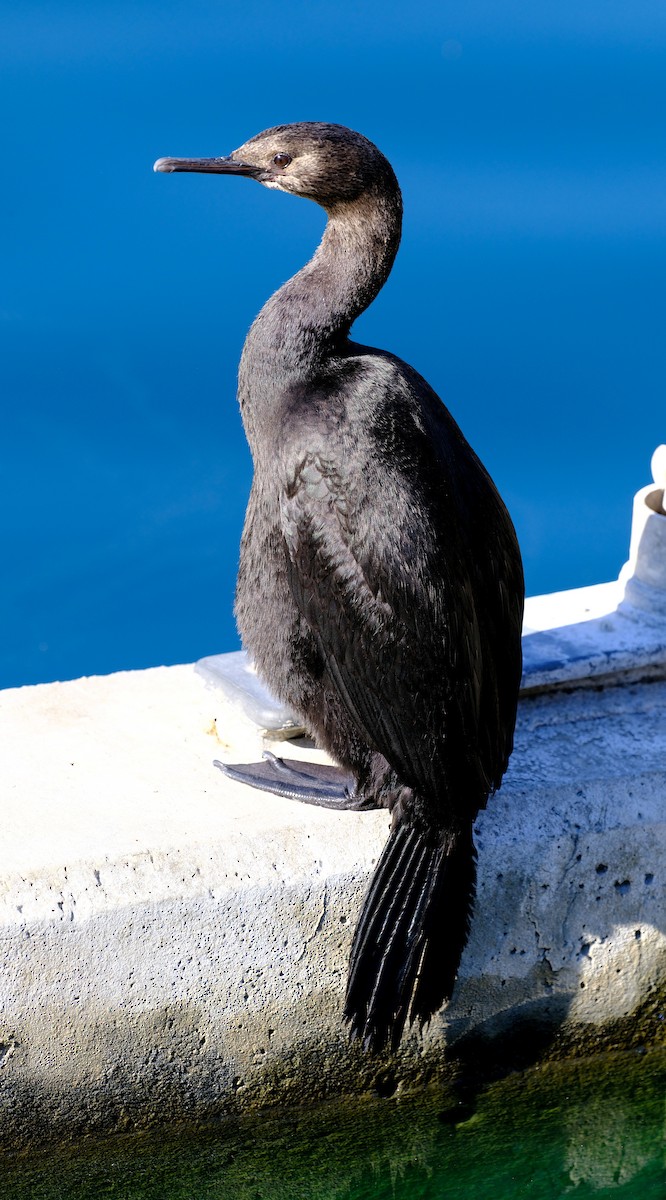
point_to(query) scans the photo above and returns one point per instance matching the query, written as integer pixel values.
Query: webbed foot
(312, 783)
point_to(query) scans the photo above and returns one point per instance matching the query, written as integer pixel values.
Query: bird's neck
(307, 321)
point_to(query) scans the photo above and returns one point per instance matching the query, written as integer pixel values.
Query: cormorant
(380, 589)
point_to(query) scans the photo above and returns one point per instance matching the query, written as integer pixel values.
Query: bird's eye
(282, 160)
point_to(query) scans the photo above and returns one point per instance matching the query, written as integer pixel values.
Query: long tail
(411, 933)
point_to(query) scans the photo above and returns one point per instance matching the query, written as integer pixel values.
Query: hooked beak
(216, 166)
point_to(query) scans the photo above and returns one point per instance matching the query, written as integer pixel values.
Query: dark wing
(498, 585)
(401, 648)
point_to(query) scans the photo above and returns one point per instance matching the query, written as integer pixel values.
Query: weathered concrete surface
(174, 944)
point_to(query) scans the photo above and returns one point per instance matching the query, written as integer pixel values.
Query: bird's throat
(308, 319)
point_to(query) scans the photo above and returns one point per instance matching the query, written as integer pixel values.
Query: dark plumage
(380, 590)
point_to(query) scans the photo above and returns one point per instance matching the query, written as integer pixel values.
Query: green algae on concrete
(316, 1072)
(594, 1128)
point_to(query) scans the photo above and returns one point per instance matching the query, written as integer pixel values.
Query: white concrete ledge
(174, 944)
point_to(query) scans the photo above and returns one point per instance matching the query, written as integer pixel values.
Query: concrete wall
(173, 943)
(176, 945)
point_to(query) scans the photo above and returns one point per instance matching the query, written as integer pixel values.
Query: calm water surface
(529, 288)
(593, 1129)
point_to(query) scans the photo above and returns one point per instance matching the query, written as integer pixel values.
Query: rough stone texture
(174, 944)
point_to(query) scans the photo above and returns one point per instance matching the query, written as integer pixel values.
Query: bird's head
(327, 163)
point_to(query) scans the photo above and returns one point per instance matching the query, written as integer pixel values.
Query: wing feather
(406, 705)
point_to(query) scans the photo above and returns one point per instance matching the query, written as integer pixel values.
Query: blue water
(529, 289)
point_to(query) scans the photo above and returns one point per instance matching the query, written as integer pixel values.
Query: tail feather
(453, 908)
(384, 897)
(397, 970)
(410, 935)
